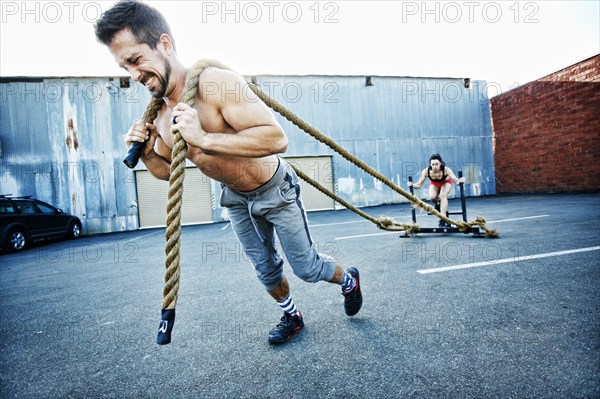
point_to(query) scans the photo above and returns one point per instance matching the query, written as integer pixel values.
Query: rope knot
(463, 226)
(385, 222)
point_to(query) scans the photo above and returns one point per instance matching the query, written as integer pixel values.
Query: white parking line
(398, 232)
(333, 224)
(368, 235)
(144, 236)
(523, 218)
(506, 260)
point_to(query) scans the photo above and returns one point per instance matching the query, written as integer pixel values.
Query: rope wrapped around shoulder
(175, 199)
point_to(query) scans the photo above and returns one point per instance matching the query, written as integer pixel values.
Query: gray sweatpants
(276, 206)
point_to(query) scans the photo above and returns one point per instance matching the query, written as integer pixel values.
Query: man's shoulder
(217, 86)
(218, 75)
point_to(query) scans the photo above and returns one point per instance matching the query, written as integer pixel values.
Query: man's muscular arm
(155, 155)
(257, 133)
(157, 165)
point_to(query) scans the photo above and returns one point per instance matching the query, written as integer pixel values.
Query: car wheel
(74, 230)
(17, 240)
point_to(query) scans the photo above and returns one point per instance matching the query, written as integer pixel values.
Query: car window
(46, 209)
(6, 207)
(27, 207)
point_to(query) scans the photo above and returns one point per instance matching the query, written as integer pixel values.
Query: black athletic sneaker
(353, 299)
(288, 326)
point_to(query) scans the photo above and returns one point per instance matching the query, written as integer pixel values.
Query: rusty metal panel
(59, 143)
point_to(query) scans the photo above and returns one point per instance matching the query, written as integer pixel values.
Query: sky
(506, 43)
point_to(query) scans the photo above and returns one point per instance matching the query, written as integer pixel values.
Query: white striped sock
(288, 305)
(348, 282)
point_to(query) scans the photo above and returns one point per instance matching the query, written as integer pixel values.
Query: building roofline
(5, 79)
(567, 67)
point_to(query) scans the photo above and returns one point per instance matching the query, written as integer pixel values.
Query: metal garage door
(319, 169)
(152, 197)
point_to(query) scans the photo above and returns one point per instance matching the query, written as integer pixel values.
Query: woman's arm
(451, 175)
(419, 184)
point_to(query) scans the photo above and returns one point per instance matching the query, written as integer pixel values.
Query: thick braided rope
(384, 223)
(174, 205)
(175, 196)
(297, 121)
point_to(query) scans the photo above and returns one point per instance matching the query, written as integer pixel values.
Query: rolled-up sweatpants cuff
(329, 266)
(325, 274)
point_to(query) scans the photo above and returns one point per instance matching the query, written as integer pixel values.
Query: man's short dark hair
(145, 23)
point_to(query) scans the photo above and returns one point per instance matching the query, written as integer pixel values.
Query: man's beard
(163, 81)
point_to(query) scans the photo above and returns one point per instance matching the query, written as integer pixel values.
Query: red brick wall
(547, 132)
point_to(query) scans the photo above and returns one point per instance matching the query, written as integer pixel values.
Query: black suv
(26, 219)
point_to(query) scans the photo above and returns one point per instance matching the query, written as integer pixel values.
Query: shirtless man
(234, 139)
(440, 183)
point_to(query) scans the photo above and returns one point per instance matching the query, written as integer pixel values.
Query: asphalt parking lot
(444, 315)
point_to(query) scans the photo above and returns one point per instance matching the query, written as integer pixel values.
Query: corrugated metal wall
(61, 139)
(394, 125)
